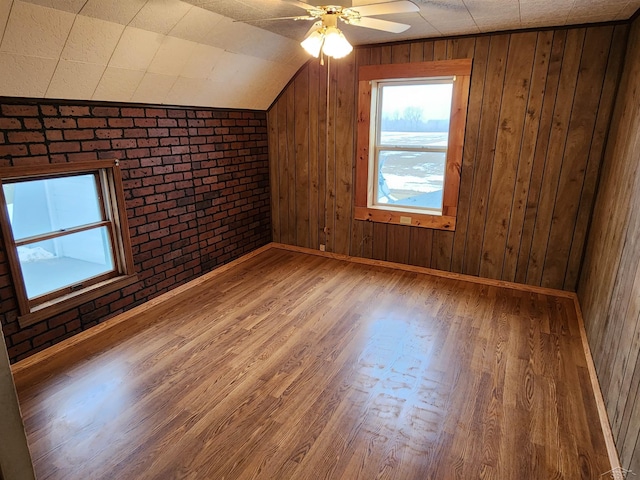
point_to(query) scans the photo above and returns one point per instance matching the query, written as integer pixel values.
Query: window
(410, 132)
(66, 238)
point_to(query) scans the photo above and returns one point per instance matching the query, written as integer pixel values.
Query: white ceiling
(193, 53)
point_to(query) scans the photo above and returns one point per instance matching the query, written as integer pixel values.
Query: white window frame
(376, 145)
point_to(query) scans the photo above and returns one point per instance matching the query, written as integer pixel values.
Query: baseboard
(612, 452)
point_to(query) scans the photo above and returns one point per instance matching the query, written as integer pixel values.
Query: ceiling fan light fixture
(313, 43)
(335, 43)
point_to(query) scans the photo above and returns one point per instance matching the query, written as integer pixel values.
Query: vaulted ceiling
(194, 53)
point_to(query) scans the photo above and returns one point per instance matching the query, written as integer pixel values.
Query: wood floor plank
(297, 366)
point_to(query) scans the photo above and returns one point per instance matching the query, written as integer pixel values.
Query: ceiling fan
(325, 36)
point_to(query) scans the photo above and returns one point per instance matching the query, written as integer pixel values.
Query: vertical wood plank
(314, 167)
(398, 243)
(555, 151)
(588, 91)
(491, 102)
(301, 105)
(323, 132)
(345, 151)
(421, 247)
(508, 143)
(527, 151)
(332, 113)
(272, 122)
(291, 164)
(474, 110)
(283, 172)
(542, 142)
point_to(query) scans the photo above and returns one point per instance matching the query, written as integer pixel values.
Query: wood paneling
(539, 108)
(609, 289)
(295, 366)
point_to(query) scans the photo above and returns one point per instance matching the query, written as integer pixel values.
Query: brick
(109, 133)
(158, 132)
(60, 123)
(78, 134)
(133, 112)
(96, 145)
(20, 110)
(10, 124)
(74, 111)
(32, 123)
(62, 147)
(105, 111)
(124, 144)
(145, 122)
(92, 122)
(148, 142)
(38, 149)
(49, 110)
(156, 112)
(25, 137)
(121, 122)
(135, 133)
(13, 150)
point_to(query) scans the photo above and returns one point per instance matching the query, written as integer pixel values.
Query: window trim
(111, 192)
(461, 70)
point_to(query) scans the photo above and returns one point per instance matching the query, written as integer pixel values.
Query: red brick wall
(196, 184)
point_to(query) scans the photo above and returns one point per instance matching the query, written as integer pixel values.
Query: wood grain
(511, 222)
(289, 365)
(609, 288)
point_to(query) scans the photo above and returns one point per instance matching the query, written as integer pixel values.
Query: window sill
(438, 222)
(67, 302)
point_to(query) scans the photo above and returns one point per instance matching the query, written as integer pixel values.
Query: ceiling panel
(74, 80)
(160, 16)
(172, 56)
(135, 49)
(5, 8)
(25, 76)
(118, 11)
(36, 31)
(118, 84)
(152, 87)
(92, 40)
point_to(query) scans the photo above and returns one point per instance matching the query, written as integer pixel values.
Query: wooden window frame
(460, 69)
(114, 218)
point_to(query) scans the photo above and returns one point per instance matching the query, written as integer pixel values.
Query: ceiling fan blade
(256, 20)
(404, 6)
(378, 24)
(298, 3)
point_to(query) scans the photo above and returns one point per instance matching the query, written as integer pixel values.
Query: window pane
(43, 206)
(416, 115)
(64, 261)
(411, 179)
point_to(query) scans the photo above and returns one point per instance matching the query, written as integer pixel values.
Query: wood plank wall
(609, 288)
(539, 111)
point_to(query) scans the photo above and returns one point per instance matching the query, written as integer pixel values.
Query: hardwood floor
(291, 365)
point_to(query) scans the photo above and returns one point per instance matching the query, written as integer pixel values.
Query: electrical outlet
(322, 247)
